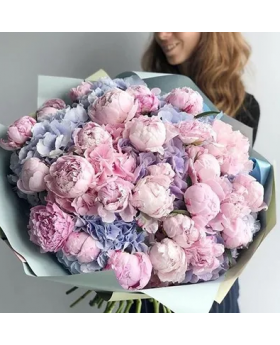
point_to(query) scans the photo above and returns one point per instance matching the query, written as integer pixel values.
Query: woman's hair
(216, 67)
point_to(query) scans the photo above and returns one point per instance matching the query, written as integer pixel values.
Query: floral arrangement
(127, 179)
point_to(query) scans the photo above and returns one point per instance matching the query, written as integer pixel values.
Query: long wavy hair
(216, 67)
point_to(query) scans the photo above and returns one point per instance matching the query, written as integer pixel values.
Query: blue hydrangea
(51, 138)
(118, 235)
(74, 266)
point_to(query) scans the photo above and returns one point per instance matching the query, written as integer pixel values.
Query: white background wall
(25, 55)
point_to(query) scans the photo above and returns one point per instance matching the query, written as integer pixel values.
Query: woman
(215, 61)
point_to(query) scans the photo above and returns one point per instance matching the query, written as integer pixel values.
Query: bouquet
(152, 187)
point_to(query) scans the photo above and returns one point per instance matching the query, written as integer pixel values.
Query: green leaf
(207, 113)
(184, 212)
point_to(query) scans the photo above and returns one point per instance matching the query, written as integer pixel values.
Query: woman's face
(177, 46)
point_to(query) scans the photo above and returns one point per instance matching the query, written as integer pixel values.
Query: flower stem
(128, 306)
(110, 307)
(184, 212)
(164, 309)
(121, 306)
(100, 303)
(94, 301)
(138, 306)
(156, 306)
(81, 298)
(71, 290)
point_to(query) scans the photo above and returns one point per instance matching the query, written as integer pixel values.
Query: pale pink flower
(70, 176)
(220, 186)
(162, 169)
(194, 151)
(203, 257)
(18, 133)
(147, 100)
(90, 137)
(114, 197)
(146, 133)
(64, 203)
(82, 246)
(84, 205)
(124, 166)
(191, 132)
(116, 132)
(206, 167)
(231, 149)
(102, 159)
(181, 229)
(235, 206)
(133, 271)
(186, 100)
(49, 108)
(149, 224)
(251, 190)
(81, 90)
(32, 177)
(152, 196)
(169, 261)
(114, 107)
(237, 233)
(49, 227)
(202, 202)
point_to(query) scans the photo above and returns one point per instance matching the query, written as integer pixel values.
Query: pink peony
(204, 257)
(116, 132)
(251, 190)
(234, 206)
(149, 224)
(161, 169)
(80, 91)
(202, 202)
(50, 108)
(194, 151)
(152, 196)
(32, 176)
(84, 205)
(18, 133)
(49, 227)
(82, 246)
(206, 167)
(146, 133)
(147, 100)
(220, 186)
(191, 132)
(102, 159)
(124, 166)
(186, 100)
(169, 261)
(181, 229)
(231, 149)
(90, 137)
(113, 198)
(133, 271)
(113, 108)
(70, 176)
(237, 233)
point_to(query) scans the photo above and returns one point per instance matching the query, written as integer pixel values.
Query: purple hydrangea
(144, 160)
(175, 155)
(118, 235)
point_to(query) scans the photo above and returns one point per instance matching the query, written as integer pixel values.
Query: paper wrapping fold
(188, 298)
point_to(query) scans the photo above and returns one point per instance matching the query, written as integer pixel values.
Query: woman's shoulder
(249, 113)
